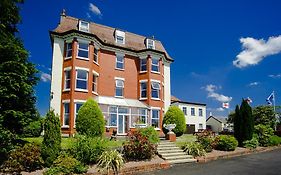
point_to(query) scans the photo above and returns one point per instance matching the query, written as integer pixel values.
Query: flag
(270, 99)
(225, 105)
(249, 100)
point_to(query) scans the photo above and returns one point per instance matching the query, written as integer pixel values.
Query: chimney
(62, 15)
(210, 114)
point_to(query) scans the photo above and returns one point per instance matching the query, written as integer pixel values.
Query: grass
(185, 138)
(67, 141)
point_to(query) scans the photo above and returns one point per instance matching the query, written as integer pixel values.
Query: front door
(121, 124)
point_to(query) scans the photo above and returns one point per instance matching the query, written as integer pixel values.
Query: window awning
(120, 102)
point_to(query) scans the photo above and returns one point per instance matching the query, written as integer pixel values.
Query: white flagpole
(274, 102)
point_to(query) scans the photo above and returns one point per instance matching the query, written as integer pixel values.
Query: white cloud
(45, 77)
(275, 76)
(94, 9)
(255, 50)
(254, 83)
(220, 109)
(212, 94)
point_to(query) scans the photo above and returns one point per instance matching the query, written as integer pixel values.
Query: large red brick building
(127, 74)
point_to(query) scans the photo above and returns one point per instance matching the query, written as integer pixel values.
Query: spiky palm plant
(110, 160)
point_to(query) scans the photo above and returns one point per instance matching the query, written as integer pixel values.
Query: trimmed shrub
(252, 144)
(7, 143)
(205, 139)
(194, 148)
(150, 133)
(138, 147)
(88, 149)
(110, 160)
(26, 158)
(174, 115)
(264, 132)
(90, 120)
(51, 144)
(34, 129)
(65, 165)
(274, 140)
(226, 143)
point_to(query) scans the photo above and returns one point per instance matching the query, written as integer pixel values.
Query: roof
(174, 99)
(105, 34)
(191, 103)
(220, 120)
(120, 102)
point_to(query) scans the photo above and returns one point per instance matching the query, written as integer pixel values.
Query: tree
(248, 120)
(90, 121)
(264, 115)
(230, 118)
(237, 121)
(17, 74)
(174, 115)
(51, 144)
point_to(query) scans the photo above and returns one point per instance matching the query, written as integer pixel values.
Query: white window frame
(141, 64)
(200, 114)
(157, 72)
(159, 110)
(87, 79)
(75, 107)
(148, 45)
(67, 49)
(143, 81)
(191, 111)
(63, 118)
(152, 88)
(65, 70)
(140, 115)
(123, 61)
(119, 33)
(78, 48)
(82, 28)
(96, 75)
(96, 55)
(184, 110)
(201, 125)
(122, 86)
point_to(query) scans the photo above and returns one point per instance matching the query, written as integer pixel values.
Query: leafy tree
(51, 144)
(17, 74)
(174, 115)
(264, 115)
(90, 121)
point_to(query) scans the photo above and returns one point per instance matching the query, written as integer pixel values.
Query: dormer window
(84, 26)
(119, 37)
(150, 44)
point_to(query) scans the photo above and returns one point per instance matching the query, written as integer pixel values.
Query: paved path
(267, 163)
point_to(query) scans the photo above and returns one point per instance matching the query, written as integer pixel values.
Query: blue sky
(223, 50)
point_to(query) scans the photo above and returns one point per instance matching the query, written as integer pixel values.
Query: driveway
(267, 163)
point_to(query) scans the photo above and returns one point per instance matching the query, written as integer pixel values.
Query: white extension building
(195, 115)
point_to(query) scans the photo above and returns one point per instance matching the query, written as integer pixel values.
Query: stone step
(182, 161)
(174, 154)
(166, 143)
(169, 151)
(169, 148)
(164, 146)
(177, 157)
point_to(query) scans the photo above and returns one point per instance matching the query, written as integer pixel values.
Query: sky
(223, 50)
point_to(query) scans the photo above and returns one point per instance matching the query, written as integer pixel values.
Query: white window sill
(95, 93)
(83, 58)
(110, 126)
(81, 90)
(119, 69)
(156, 99)
(155, 72)
(142, 72)
(96, 63)
(157, 129)
(67, 58)
(65, 126)
(118, 96)
(66, 90)
(143, 98)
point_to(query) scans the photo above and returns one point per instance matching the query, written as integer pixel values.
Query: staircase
(173, 154)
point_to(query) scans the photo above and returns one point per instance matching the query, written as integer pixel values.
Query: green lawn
(66, 142)
(185, 138)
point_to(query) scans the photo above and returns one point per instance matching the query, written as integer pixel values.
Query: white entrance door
(121, 124)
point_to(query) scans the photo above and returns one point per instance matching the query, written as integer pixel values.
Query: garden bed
(239, 151)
